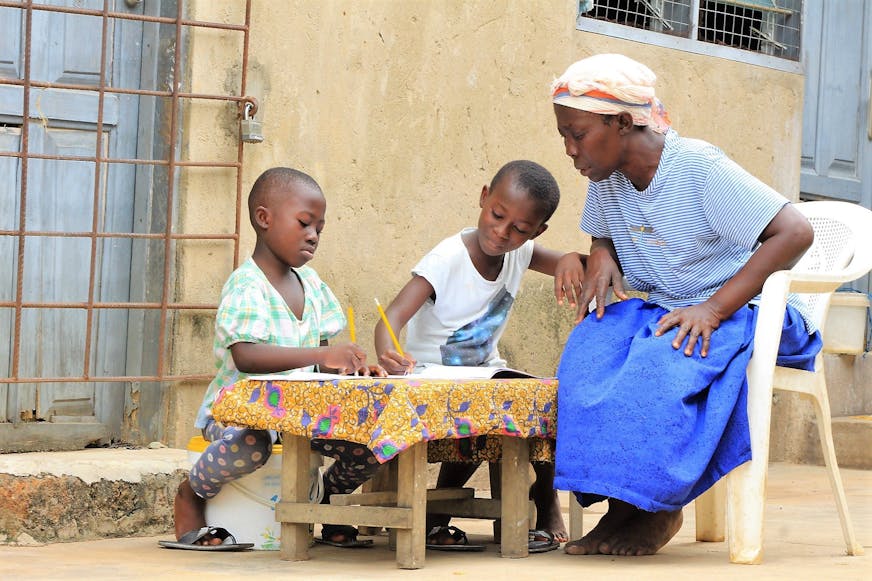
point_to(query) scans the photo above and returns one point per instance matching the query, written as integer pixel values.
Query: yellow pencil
(384, 319)
(351, 331)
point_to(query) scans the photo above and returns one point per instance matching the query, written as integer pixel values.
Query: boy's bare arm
(265, 358)
(782, 244)
(407, 302)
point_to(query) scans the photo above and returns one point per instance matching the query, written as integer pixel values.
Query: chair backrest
(842, 240)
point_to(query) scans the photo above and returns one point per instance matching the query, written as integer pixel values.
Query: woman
(652, 397)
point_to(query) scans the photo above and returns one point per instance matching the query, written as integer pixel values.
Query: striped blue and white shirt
(693, 227)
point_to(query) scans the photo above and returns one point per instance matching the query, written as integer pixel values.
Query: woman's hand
(696, 323)
(603, 271)
(568, 276)
(396, 364)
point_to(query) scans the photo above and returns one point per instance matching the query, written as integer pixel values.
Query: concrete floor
(803, 541)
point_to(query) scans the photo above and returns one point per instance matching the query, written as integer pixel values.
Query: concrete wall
(402, 111)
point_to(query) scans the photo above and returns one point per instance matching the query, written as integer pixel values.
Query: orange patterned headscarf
(609, 84)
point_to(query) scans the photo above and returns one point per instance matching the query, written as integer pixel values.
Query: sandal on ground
(189, 541)
(350, 533)
(461, 541)
(541, 541)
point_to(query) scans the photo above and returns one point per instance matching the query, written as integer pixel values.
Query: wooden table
(394, 417)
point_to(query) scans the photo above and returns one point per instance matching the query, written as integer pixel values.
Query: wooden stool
(402, 510)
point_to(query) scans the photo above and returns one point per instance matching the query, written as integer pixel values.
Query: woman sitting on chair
(652, 397)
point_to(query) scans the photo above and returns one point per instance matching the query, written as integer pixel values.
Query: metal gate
(91, 101)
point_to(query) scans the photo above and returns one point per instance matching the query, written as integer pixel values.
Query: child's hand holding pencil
(395, 362)
(365, 370)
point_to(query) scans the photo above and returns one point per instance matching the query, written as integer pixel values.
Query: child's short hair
(535, 180)
(270, 180)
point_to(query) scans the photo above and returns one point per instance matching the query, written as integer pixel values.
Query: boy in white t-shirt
(457, 304)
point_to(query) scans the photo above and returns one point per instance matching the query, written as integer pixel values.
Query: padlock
(250, 131)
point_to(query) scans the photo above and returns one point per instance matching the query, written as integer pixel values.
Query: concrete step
(88, 494)
(852, 437)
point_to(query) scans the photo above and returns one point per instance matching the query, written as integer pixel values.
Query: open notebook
(428, 372)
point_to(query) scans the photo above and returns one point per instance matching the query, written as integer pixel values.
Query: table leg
(515, 497)
(392, 478)
(295, 488)
(412, 493)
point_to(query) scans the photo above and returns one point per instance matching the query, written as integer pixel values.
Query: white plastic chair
(841, 252)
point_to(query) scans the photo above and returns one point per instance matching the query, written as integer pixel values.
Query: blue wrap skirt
(642, 422)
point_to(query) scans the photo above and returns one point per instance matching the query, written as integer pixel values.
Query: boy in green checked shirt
(275, 316)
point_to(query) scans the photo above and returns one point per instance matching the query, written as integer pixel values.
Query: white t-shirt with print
(463, 326)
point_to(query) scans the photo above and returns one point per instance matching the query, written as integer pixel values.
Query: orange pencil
(384, 319)
(351, 330)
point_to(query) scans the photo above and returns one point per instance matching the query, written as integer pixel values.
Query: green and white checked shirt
(252, 311)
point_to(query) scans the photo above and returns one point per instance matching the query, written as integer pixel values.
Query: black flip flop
(349, 532)
(187, 542)
(541, 541)
(461, 541)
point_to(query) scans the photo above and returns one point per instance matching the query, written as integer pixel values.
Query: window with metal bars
(748, 30)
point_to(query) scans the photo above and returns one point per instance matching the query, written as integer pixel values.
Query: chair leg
(746, 488)
(576, 518)
(710, 512)
(825, 431)
(746, 485)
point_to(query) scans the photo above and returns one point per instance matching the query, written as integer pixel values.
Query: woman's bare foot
(619, 512)
(189, 513)
(643, 534)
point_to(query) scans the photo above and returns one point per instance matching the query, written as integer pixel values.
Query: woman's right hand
(602, 272)
(396, 364)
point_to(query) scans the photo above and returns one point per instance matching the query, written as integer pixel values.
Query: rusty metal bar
(22, 211)
(121, 15)
(171, 190)
(105, 160)
(112, 379)
(125, 91)
(111, 305)
(95, 213)
(58, 234)
(243, 86)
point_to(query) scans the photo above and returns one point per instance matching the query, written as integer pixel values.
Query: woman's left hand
(696, 323)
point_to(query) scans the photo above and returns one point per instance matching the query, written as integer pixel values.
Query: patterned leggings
(235, 452)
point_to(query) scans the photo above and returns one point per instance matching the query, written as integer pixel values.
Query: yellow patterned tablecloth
(388, 415)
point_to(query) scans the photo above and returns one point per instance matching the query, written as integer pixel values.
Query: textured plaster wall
(402, 111)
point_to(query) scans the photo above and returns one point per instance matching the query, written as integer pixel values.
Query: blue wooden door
(60, 198)
(837, 117)
(837, 122)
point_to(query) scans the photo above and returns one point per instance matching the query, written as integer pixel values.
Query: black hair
(535, 180)
(272, 179)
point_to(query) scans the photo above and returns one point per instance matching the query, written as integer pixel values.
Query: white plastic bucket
(246, 507)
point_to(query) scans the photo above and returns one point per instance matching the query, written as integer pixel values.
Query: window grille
(16, 231)
(766, 27)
